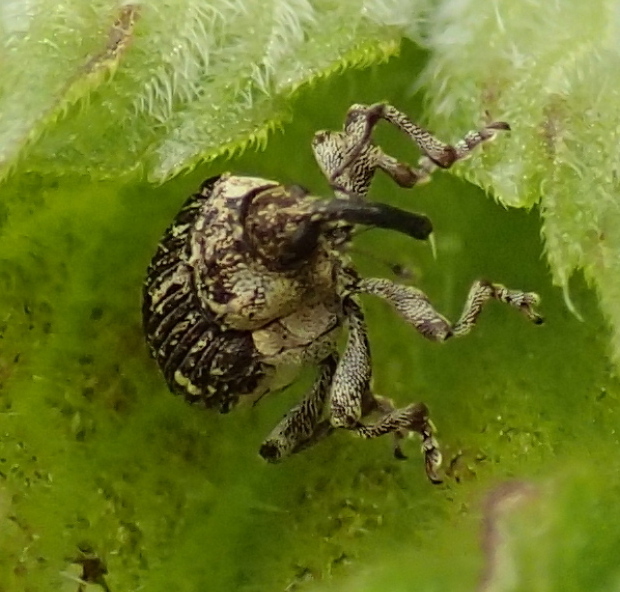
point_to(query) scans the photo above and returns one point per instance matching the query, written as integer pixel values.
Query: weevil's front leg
(441, 154)
(361, 156)
(351, 399)
(302, 426)
(413, 305)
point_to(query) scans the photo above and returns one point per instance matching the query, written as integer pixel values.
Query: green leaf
(173, 83)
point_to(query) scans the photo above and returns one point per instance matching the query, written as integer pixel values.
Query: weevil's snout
(415, 225)
(377, 214)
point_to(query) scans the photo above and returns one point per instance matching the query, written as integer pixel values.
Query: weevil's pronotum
(252, 281)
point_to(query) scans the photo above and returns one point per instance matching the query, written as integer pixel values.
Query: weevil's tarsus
(413, 419)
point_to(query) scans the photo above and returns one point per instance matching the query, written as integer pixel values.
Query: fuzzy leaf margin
(551, 70)
(163, 86)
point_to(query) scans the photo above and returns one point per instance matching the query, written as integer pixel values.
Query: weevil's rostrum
(252, 281)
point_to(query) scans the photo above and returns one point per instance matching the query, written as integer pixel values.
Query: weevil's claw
(536, 318)
(529, 301)
(432, 462)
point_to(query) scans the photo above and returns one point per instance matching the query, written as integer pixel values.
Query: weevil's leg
(302, 427)
(351, 382)
(482, 291)
(413, 305)
(351, 399)
(403, 174)
(442, 154)
(360, 122)
(372, 403)
(399, 422)
(349, 167)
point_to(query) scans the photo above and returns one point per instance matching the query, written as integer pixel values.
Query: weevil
(252, 281)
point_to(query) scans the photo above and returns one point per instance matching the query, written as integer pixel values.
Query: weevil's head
(287, 227)
(281, 226)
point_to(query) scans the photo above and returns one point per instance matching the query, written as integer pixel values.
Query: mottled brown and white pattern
(250, 283)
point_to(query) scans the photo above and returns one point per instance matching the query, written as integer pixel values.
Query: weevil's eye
(338, 234)
(302, 244)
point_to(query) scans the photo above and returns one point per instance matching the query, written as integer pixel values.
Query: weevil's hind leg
(302, 426)
(401, 422)
(351, 399)
(413, 305)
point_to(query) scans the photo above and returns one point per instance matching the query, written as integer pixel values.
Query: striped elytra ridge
(199, 359)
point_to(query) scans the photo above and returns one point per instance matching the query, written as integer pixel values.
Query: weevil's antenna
(433, 245)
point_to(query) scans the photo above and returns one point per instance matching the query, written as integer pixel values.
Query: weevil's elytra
(251, 282)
